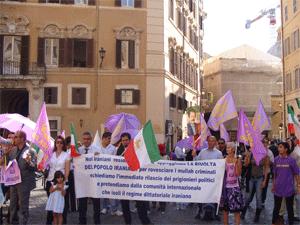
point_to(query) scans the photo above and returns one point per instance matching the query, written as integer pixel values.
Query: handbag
(46, 172)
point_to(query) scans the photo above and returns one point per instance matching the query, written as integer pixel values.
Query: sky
(224, 26)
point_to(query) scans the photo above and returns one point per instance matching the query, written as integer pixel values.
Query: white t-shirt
(57, 163)
(108, 150)
(296, 154)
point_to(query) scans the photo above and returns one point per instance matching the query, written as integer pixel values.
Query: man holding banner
(20, 192)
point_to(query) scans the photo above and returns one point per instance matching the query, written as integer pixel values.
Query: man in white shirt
(88, 148)
(109, 149)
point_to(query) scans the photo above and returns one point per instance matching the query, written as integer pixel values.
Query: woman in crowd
(232, 198)
(60, 161)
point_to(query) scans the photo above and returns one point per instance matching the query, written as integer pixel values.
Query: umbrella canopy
(15, 122)
(120, 123)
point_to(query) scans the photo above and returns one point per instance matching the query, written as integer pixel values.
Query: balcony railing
(13, 68)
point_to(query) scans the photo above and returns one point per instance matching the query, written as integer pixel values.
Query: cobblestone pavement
(172, 216)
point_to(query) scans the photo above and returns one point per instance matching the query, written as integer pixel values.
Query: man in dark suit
(191, 126)
(20, 193)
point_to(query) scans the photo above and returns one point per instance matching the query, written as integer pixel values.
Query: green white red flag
(74, 146)
(143, 149)
(293, 122)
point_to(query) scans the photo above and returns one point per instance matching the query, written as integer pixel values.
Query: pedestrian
(258, 178)
(88, 148)
(20, 193)
(56, 200)
(141, 206)
(232, 198)
(107, 148)
(59, 161)
(222, 146)
(285, 172)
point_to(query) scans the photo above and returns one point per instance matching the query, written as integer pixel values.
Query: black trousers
(49, 213)
(141, 210)
(82, 208)
(289, 205)
(70, 195)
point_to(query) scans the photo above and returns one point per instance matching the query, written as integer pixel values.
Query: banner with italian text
(108, 176)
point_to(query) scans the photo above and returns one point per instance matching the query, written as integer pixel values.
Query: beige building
(291, 52)
(249, 73)
(88, 59)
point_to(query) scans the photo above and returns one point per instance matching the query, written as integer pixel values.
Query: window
(127, 96)
(55, 126)
(172, 100)
(288, 82)
(286, 13)
(287, 46)
(295, 6)
(51, 52)
(171, 9)
(80, 2)
(297, 78)
(79, 95)
(296, 41)
(50, 95)
(179, 17)
(127, 3)
(171, 60)
(11, 54)
(125, 54)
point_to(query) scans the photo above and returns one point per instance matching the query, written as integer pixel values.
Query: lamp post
(101, 55)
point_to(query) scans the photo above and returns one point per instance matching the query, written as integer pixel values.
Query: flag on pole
(261, 121)
(143, 149)
(41, 136)
(223, 133)
(74, 146)
(224, 110)
(116, 134)
(63, 134)
(97, 140)
(247, 135)
(293, 122)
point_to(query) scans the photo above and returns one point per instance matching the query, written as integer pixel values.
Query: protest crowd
(252, 164)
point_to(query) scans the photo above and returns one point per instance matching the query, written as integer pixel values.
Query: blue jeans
(113, 204)
(255, 183)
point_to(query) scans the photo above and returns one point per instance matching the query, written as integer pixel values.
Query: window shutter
(118, 53)
(117, 2)
(90, 53)
(42, 1)
(92, 2)
(1, 54)
(61, 59)
(69, 52)
(131, 63)
(136, 97)
(41, 52)
(24, 55)
(138, 3)
(68, 2)
(117, 96)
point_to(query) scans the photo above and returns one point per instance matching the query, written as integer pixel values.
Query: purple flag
(41, 135)
(261, 121)
(224, 110)
(223, 133)
(186, 143)
(247, 135)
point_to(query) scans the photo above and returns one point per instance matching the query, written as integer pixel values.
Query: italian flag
(74, 146)
(143, 149)
(293, 123)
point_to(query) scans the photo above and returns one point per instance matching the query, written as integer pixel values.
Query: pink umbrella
(15, 122)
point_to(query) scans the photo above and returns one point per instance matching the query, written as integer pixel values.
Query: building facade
(291, 53)
(250, 74)
(88, 59)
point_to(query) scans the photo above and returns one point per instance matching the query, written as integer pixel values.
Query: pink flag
(247, 135)
(12, 174)
(223, 133)
(63, 134)
(41, 136)
(261, 121)
(224, 110)
(204, 132)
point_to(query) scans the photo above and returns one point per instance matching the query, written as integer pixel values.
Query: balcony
(13, 69)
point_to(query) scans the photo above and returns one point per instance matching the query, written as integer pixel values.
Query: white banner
(108, 176)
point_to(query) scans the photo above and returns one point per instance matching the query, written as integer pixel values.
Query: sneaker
(163, 212)
(117, 213)
(104, 211)
(133, 210)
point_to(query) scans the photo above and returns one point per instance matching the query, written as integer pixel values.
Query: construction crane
(271, 13)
